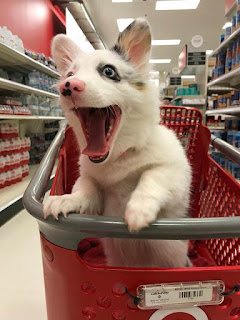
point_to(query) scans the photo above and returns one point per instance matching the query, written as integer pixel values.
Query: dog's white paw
(75, 202)
(138, 216)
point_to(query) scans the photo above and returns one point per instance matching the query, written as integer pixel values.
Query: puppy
(130, 166)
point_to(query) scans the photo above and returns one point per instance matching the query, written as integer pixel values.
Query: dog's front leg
(86, 197)
(151, 194)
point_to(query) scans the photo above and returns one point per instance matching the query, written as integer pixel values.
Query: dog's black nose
(67, 84)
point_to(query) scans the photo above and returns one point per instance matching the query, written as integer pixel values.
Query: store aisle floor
(22, 294)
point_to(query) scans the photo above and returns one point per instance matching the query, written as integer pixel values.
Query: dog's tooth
(108, 134)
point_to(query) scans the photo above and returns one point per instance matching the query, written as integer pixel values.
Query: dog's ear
(134, 43)
(64, 51)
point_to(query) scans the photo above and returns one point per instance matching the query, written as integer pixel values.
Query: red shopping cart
(78, 283)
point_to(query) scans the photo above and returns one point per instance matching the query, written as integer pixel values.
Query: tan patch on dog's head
(138, 85)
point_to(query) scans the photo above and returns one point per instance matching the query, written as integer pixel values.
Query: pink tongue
(97, 139)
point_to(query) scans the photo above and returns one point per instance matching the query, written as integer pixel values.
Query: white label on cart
(156, 296)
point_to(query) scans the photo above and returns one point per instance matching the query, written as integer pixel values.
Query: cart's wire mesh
(185, 123)
(216, 193)
(221, 198)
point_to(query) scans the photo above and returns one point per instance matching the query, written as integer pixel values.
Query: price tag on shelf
(180, 294)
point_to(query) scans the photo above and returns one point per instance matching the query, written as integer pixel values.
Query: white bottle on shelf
(34, 79)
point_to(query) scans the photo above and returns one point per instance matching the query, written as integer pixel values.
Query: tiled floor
(22, 294)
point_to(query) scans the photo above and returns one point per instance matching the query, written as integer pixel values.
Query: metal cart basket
(77, 288)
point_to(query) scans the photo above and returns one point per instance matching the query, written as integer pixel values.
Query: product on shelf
(192, 89)
(40, 57)
(16, 43)
(228, 65)
(229, 130)
(229, 166)
(29, 105)
(224, 101)
(228, 32)
(227, 60)
(234, 23)
(234, 55)
(14, 155)
(215, 124)
(35, 79)
(238, 53)
(238, 19)
(12, 161)
(41, 81)
(16, 145)
(11, 40)
(39, 145)
(233, 138)
(8, 130)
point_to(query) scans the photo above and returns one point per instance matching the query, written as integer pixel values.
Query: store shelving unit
(231, 11)
(216, 128)
(223, 46)
(13, 60)
(189, 97)
(11, 197)
(234, 111)
(15, 86)
(14, 192)
(10, 57)
(219, 90)
(191, 100)
(231, 79)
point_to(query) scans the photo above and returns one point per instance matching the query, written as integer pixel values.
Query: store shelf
(15, 86)
(167, 97)
(193, 104)
(228, 111)
(223, 46)
(230, 79)
(13, 193)
(232, 10)
(216, 128)
(189, 97)
(19, 117)
(12, 58)
(220, 90)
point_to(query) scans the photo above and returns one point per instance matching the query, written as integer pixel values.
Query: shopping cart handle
(100, 226)
(224, 147)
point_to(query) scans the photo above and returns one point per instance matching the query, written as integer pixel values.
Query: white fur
(151, 180)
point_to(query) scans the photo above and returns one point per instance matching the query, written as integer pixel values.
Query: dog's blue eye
(109, 72)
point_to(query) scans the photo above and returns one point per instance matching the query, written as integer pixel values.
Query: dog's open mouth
(99, 126)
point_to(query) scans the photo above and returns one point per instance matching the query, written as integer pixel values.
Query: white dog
(130, 166)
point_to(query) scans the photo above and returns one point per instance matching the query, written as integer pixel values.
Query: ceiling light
(208, 52)
(160, 60)
(177, 4)
(121, 0)
(227, 24)
(165, 42)
(123, 23)
(164, 72)
(188, 77)
(154, 72)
